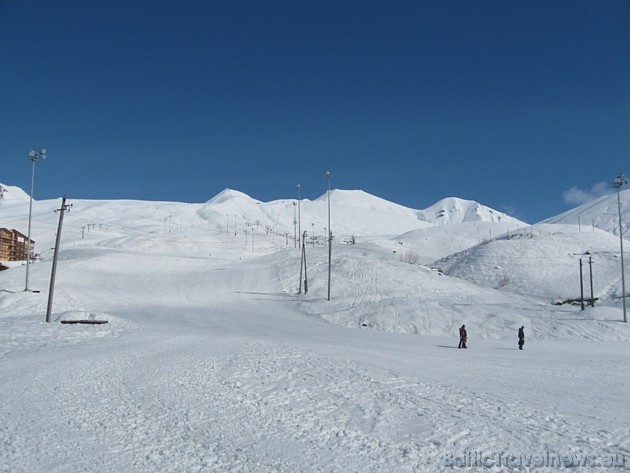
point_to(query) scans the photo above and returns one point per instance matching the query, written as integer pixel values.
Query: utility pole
(590, 269)
(618, 184)
(63, 208)
(581, 286)
(303, 266)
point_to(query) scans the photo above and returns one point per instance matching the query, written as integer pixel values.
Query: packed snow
(211, 360)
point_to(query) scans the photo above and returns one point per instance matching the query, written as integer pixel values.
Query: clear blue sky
(509, 103)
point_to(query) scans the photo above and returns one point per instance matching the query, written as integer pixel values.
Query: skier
(521, 337)
(463, 337)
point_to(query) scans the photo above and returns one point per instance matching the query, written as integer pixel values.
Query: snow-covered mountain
(446, 211)
(454, 210)
(353, 212)
(230, 195)
(600, 213)
(220, 352)
(464, 239)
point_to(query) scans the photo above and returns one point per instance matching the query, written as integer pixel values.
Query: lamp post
(618, 184)
(328, 175)
(299, 188)
(294, 226)
(34, 156)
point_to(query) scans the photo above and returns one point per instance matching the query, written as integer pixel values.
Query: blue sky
(523, 106)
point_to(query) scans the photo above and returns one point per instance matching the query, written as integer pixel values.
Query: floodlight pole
(295, 235)
(299, 188)
(328, 175)
(34, 156)
(618, 184)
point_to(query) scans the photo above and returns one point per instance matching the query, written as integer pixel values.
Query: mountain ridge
(600, 213)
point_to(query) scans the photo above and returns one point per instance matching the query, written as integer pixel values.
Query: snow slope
(602, 213)
(543, 261)
(212, 361)
(12, 193)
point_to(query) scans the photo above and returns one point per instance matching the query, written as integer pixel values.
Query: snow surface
(211, 360)
(602, 213)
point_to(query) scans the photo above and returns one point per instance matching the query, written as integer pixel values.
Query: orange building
(14, 246)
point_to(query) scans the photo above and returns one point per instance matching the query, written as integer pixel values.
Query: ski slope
(212, 361)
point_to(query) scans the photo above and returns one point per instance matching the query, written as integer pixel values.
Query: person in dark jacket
(521, 338)
(463, 337)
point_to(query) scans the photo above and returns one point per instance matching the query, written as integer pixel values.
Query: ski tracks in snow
(265, 406)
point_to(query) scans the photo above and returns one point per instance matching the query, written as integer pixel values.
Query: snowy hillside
(211, 360)
(601, 213)
(12, 193)
(543, 261)
(495, 262)
(432, 243)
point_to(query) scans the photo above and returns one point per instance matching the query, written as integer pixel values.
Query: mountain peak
(456, 210)
(228, 195)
